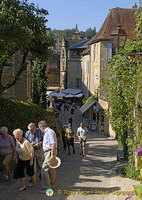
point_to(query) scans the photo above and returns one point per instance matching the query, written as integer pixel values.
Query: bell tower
(63, 66)
(76, 35)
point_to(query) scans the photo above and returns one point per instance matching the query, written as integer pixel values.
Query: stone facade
(74, 69)
(85, 63)
(53, 72)
(102, 47)
(21, 91)
(70, 62)
(63, 66)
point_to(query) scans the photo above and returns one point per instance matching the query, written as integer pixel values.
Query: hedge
(15, 114)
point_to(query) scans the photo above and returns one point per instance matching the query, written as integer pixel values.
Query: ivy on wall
(124, 94)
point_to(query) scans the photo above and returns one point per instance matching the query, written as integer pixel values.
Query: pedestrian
(35, 137)
(59, 136)
(25, 152)
(82, 134)
(65, 106)
(48, 175)
(70, 134)
(64, 138)
(70, 120)
(7, 152)
(72, 109)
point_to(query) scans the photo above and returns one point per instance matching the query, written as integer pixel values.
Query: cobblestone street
(80, 178)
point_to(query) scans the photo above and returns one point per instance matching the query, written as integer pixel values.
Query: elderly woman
(7, 150)
(26, 153)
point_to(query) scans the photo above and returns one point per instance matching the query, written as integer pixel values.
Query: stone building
(70, 61)
(53, 72)
(21, 91)
(102, 47)
(85, 63)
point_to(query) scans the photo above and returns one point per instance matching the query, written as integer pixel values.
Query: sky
(65, 14)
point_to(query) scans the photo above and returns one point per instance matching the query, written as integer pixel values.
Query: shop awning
(69, 96)
(79, 95)
(71, 91)
(85, 107)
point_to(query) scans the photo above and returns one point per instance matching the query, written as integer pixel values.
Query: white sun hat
(56, 162)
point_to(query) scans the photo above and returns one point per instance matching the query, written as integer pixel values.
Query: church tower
(76, 35)
(63, 67)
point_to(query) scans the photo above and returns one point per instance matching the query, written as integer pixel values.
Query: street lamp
(121, 35)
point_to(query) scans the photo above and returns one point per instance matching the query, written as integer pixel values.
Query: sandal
(21, 189)
(31, 184)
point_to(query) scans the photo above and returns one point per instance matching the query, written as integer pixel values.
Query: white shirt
(82, 131)
(49, 138)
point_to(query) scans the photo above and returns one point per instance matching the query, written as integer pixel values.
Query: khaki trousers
(38, 160)
(5, 161)
(48, 175)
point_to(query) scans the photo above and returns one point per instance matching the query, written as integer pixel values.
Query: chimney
(135, 6)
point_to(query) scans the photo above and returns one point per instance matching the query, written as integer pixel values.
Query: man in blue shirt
(35, 137)
(48, 175)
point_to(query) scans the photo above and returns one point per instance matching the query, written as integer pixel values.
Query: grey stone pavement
(94, 177)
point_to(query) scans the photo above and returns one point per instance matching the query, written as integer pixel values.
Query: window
(87, 66)
(109, 52)
(96, 52)
(84, 65)
(73, 53)
(77, 82)
(95, 81)
(93, 53)
(78, 67)
(63, 53)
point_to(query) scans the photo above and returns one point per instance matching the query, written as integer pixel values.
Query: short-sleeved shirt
(49, 138)
(5, 145)
(82, 131)
(70, 133)
(24, 149)
(36, 137)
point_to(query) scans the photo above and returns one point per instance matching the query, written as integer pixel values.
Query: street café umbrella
(61, 94)
(78, 95)
(69, 96)
(54, 94)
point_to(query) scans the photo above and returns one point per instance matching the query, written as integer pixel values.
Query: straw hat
(55, 162)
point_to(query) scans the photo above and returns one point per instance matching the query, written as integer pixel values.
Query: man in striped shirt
(35, 137)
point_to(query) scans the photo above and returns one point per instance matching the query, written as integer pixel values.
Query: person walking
(82, 134)
(59, 136)
(48, 175)
(70, 120)
(35, 137)
(26, 153)
(70, 134)
(64, 137)
(7, 152)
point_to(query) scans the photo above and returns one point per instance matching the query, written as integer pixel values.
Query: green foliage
(68, 33)
(39, 84)
(22, 29)
(101, 129)
(124, 85)
(15, 114)
(130, 173)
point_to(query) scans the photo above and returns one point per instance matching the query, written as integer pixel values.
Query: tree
(90, 32)
(22, 29)
(69, 33)
(39, 83)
